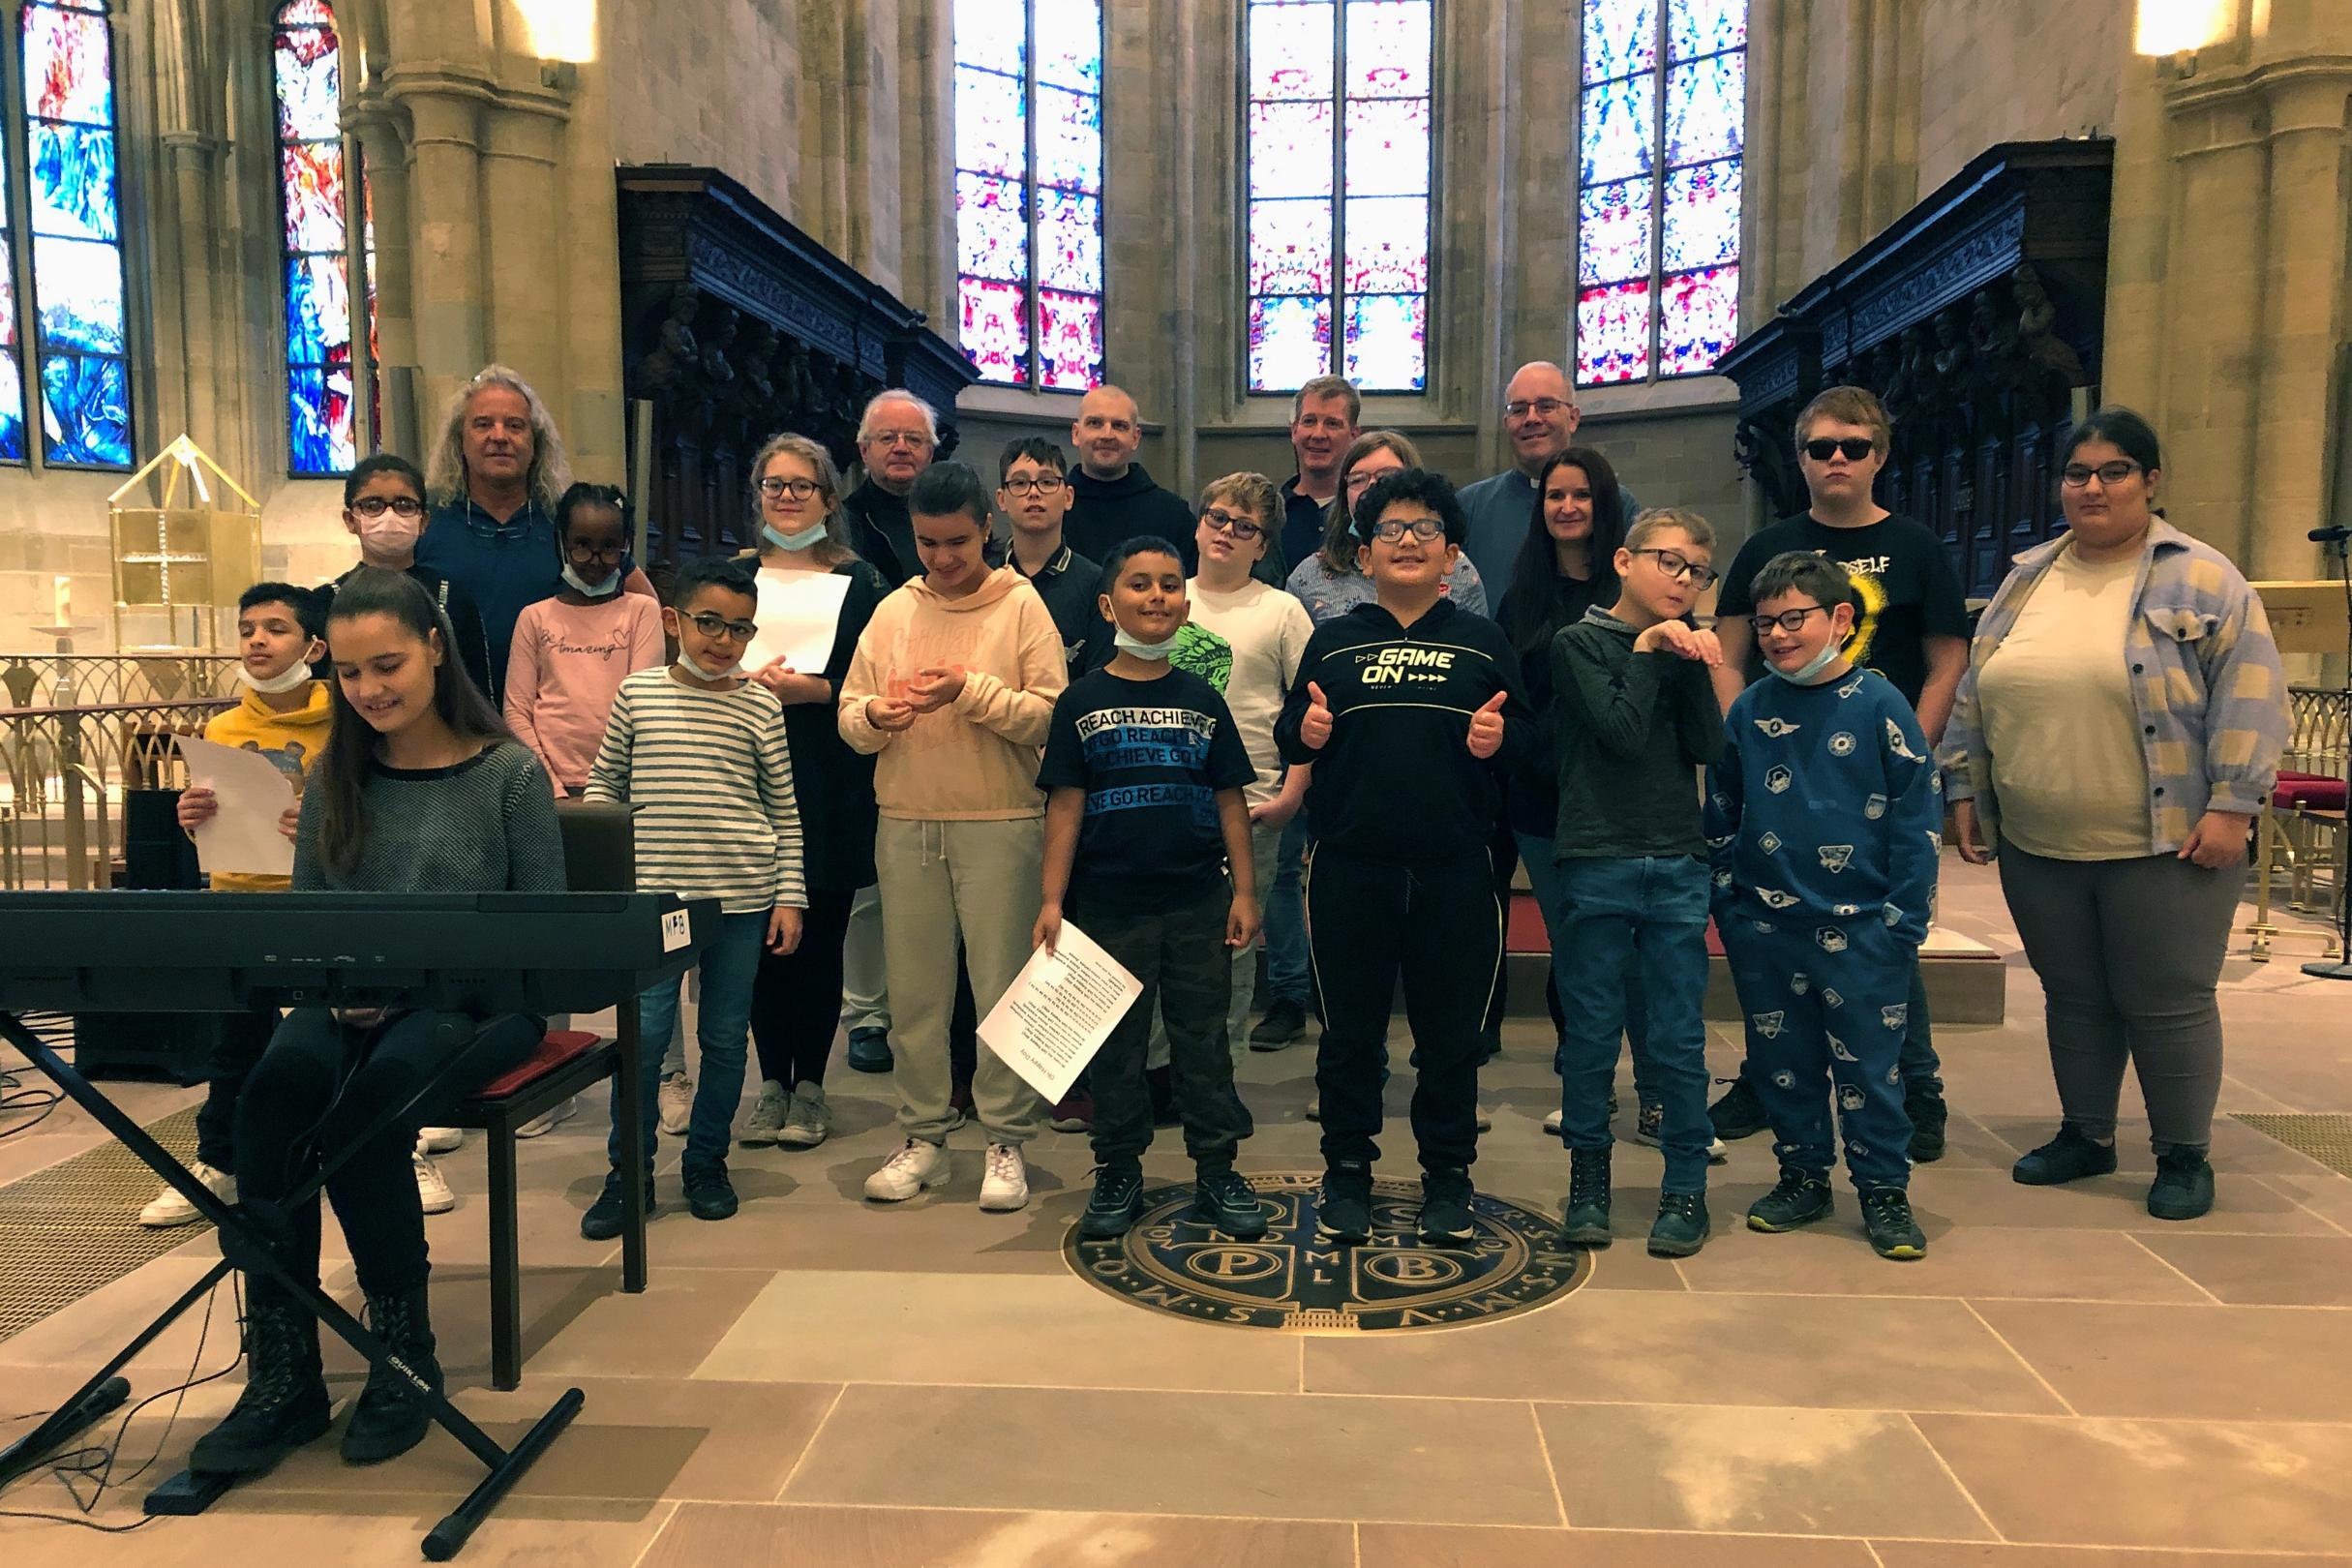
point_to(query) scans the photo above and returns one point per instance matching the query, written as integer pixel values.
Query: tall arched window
(321, 433)
(1339, 190)
(77, 256)
(1658, 187)
(1029, 189)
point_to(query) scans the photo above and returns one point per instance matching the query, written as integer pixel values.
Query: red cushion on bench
(2313, 792)
(559, 1046)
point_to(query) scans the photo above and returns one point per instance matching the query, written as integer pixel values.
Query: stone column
(446, 272)
(528, 242)
(383, 156)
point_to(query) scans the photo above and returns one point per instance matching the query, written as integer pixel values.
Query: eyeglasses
(916, 439)
(1673, 563)
(1390, 530)
(397, 505)
(1363, 479)
(1855, 447)
(579, 551)
(1547, 407)
(2075, 475)
(1224, 521)
(796, 488)
(1035, 484)
(1787, 620)
(718, 626)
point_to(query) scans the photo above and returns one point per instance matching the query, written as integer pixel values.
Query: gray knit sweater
(487, 824)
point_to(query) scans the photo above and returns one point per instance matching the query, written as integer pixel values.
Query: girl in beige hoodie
(950, 689)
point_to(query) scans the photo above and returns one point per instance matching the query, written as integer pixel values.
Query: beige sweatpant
(938, 879)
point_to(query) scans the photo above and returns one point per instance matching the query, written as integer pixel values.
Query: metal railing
(64, 772)
(84, 680)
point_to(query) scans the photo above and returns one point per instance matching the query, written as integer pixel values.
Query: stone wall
(2004, 72)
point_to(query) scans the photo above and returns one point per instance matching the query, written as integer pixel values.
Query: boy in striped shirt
(699, 752)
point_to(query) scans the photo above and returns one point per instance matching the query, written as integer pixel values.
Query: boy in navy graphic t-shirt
(1144, 817)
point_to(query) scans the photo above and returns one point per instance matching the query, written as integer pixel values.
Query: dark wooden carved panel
(1976, 319)
(738, 325)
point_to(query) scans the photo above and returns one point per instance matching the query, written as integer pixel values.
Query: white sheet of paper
(799, 614)
(1058, 1012)
(243, 837)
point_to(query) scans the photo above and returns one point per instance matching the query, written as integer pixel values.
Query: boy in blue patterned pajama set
(1822, 820)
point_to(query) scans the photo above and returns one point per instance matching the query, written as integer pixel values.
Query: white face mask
(279, 684)
(390, 534)
(605, 590)
(686, 662)
(1140, 648)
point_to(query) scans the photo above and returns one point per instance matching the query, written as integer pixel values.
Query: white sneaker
(1005, 1186)
(431, 1190)
(168, 1208)
(675, 1101)
(545, 1122)
(1315, 1108)
(434, 1140)
(914, 1167)
(808, 1120)
(767, 1118)
(1552, 1122)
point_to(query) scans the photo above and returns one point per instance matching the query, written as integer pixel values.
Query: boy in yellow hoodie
(284, 714)
(951, 689)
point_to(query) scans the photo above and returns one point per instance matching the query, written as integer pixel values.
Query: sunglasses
(1854, 447)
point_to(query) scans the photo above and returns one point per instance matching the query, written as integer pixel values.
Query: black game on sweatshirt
(1397, 783)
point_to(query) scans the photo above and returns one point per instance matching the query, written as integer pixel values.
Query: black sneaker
(710, 1195)
(1740, 1113)
(1117, 1201)
(2184, 1188)
(1226, 1200)
(1928, 1113)
(602, 1222)
(1801, 1197)
(1682, 1227)
(1587, 1221)
(1285, 1024)
(1343, 1212)
(869, 1050)
(2068, 1156)
(1445, 1207)
(1893, 1232)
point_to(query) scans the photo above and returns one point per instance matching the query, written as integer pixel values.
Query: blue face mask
(1139, 648)
(1813, 666)
(805, 539)
(604, 589)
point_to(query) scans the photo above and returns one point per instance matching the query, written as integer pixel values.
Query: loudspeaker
(156, 854)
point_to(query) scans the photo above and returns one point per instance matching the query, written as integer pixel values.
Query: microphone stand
(2334, 539)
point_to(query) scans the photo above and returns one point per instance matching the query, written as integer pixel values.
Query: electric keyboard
(454, 953)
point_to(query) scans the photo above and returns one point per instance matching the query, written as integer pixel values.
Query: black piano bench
(566, 1063)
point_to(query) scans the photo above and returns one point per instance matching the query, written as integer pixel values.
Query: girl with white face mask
(383, 510)
(571, 652)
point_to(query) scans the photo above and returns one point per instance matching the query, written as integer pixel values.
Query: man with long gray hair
(493, 478)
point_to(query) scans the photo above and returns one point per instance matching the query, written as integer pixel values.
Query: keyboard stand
(190, 1492)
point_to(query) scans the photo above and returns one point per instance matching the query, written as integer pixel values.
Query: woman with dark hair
(2117, 732)
(420, 790)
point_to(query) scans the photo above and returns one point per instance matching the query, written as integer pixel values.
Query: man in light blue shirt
(1540, 416)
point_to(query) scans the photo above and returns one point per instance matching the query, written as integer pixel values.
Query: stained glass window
(77, 258)
(1662, 108)
(1029, 189)
(320, 417)
(1339, 125)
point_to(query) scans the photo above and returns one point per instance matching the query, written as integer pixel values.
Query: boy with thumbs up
(1409, 710)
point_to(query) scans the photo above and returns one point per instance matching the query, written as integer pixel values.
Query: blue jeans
(1285, 920)
(1552, 897)
(729, 963)
(1644, 918)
